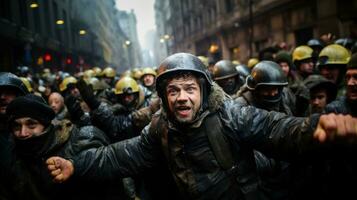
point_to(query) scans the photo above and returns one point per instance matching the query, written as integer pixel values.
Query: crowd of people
(284, 126)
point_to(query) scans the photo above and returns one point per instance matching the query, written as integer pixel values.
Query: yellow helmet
(109, 72)
(149, 70)
(126, 85)
(137, 73)
(126, 73)
(235, 62)
(204, 60)
(97, 84)
(89, 73)
(252, 62)
(98, 71)
(68, 80)
(333, 54)
(27, 83)
(302, 52)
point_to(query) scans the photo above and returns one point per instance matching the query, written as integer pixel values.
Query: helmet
(126, 85)
(98, 71)
(204, 60)
(302, 52)
(64, 84)
(89, 73)
(149, 70)
(23, 70)
(8, 79)
(333, 54)
(126, 73)
(353, 62)
(266, 73)
(137, 73)
(345, 42)
(97, 84)
(109, 72)
(315, 43)
(183, 62)
(27, 83)
(224, 69)
(252, 62)
(243, 72)
(284, 56)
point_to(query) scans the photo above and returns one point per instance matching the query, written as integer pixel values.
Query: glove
(73, 107)
(87, 94)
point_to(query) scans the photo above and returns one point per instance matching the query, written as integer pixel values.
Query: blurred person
(316, 45)
(226, 75)
(36, 139)
(321, 92)
(332, 64)
(56, 102)
(11, 87)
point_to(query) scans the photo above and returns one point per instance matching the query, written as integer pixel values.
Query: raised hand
(334, 126)
(60, 168)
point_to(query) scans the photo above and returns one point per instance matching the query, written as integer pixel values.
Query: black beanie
(32, 106)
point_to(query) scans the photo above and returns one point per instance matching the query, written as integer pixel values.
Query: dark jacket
(342, 106)
(32, 179)
(189, 155)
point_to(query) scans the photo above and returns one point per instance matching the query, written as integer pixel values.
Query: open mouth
(183, 110)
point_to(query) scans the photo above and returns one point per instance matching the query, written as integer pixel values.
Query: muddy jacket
(32, 179)
(189, 155)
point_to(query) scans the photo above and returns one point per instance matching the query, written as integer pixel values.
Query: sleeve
(122, 159)
(274, 134)
(117, 127)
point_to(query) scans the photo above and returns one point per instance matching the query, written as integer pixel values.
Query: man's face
(318, 100)
(330, 73)
(268, 91)
(56, 102)
(148, 80)
(285, 67)
(184, 98)
(26, 127)
(6, 96)
(229, 85)
(126, 99)
(351, 81)
(307, 66)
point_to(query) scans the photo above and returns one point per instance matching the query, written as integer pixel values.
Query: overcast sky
(144, 10)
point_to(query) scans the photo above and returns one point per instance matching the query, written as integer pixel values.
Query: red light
(48, 57)
(69, 61)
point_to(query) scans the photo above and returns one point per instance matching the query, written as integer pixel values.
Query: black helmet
(315, 43)
(8, 79)
(352, 64)
(243, 72)
(224, 69)
(266, 73)
(183, 62)
(345, 42)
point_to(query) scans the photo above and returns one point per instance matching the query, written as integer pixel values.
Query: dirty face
(184, 98)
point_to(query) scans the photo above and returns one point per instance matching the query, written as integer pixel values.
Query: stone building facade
(239, 29)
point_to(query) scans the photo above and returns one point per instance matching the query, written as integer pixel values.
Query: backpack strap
(219, 144)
